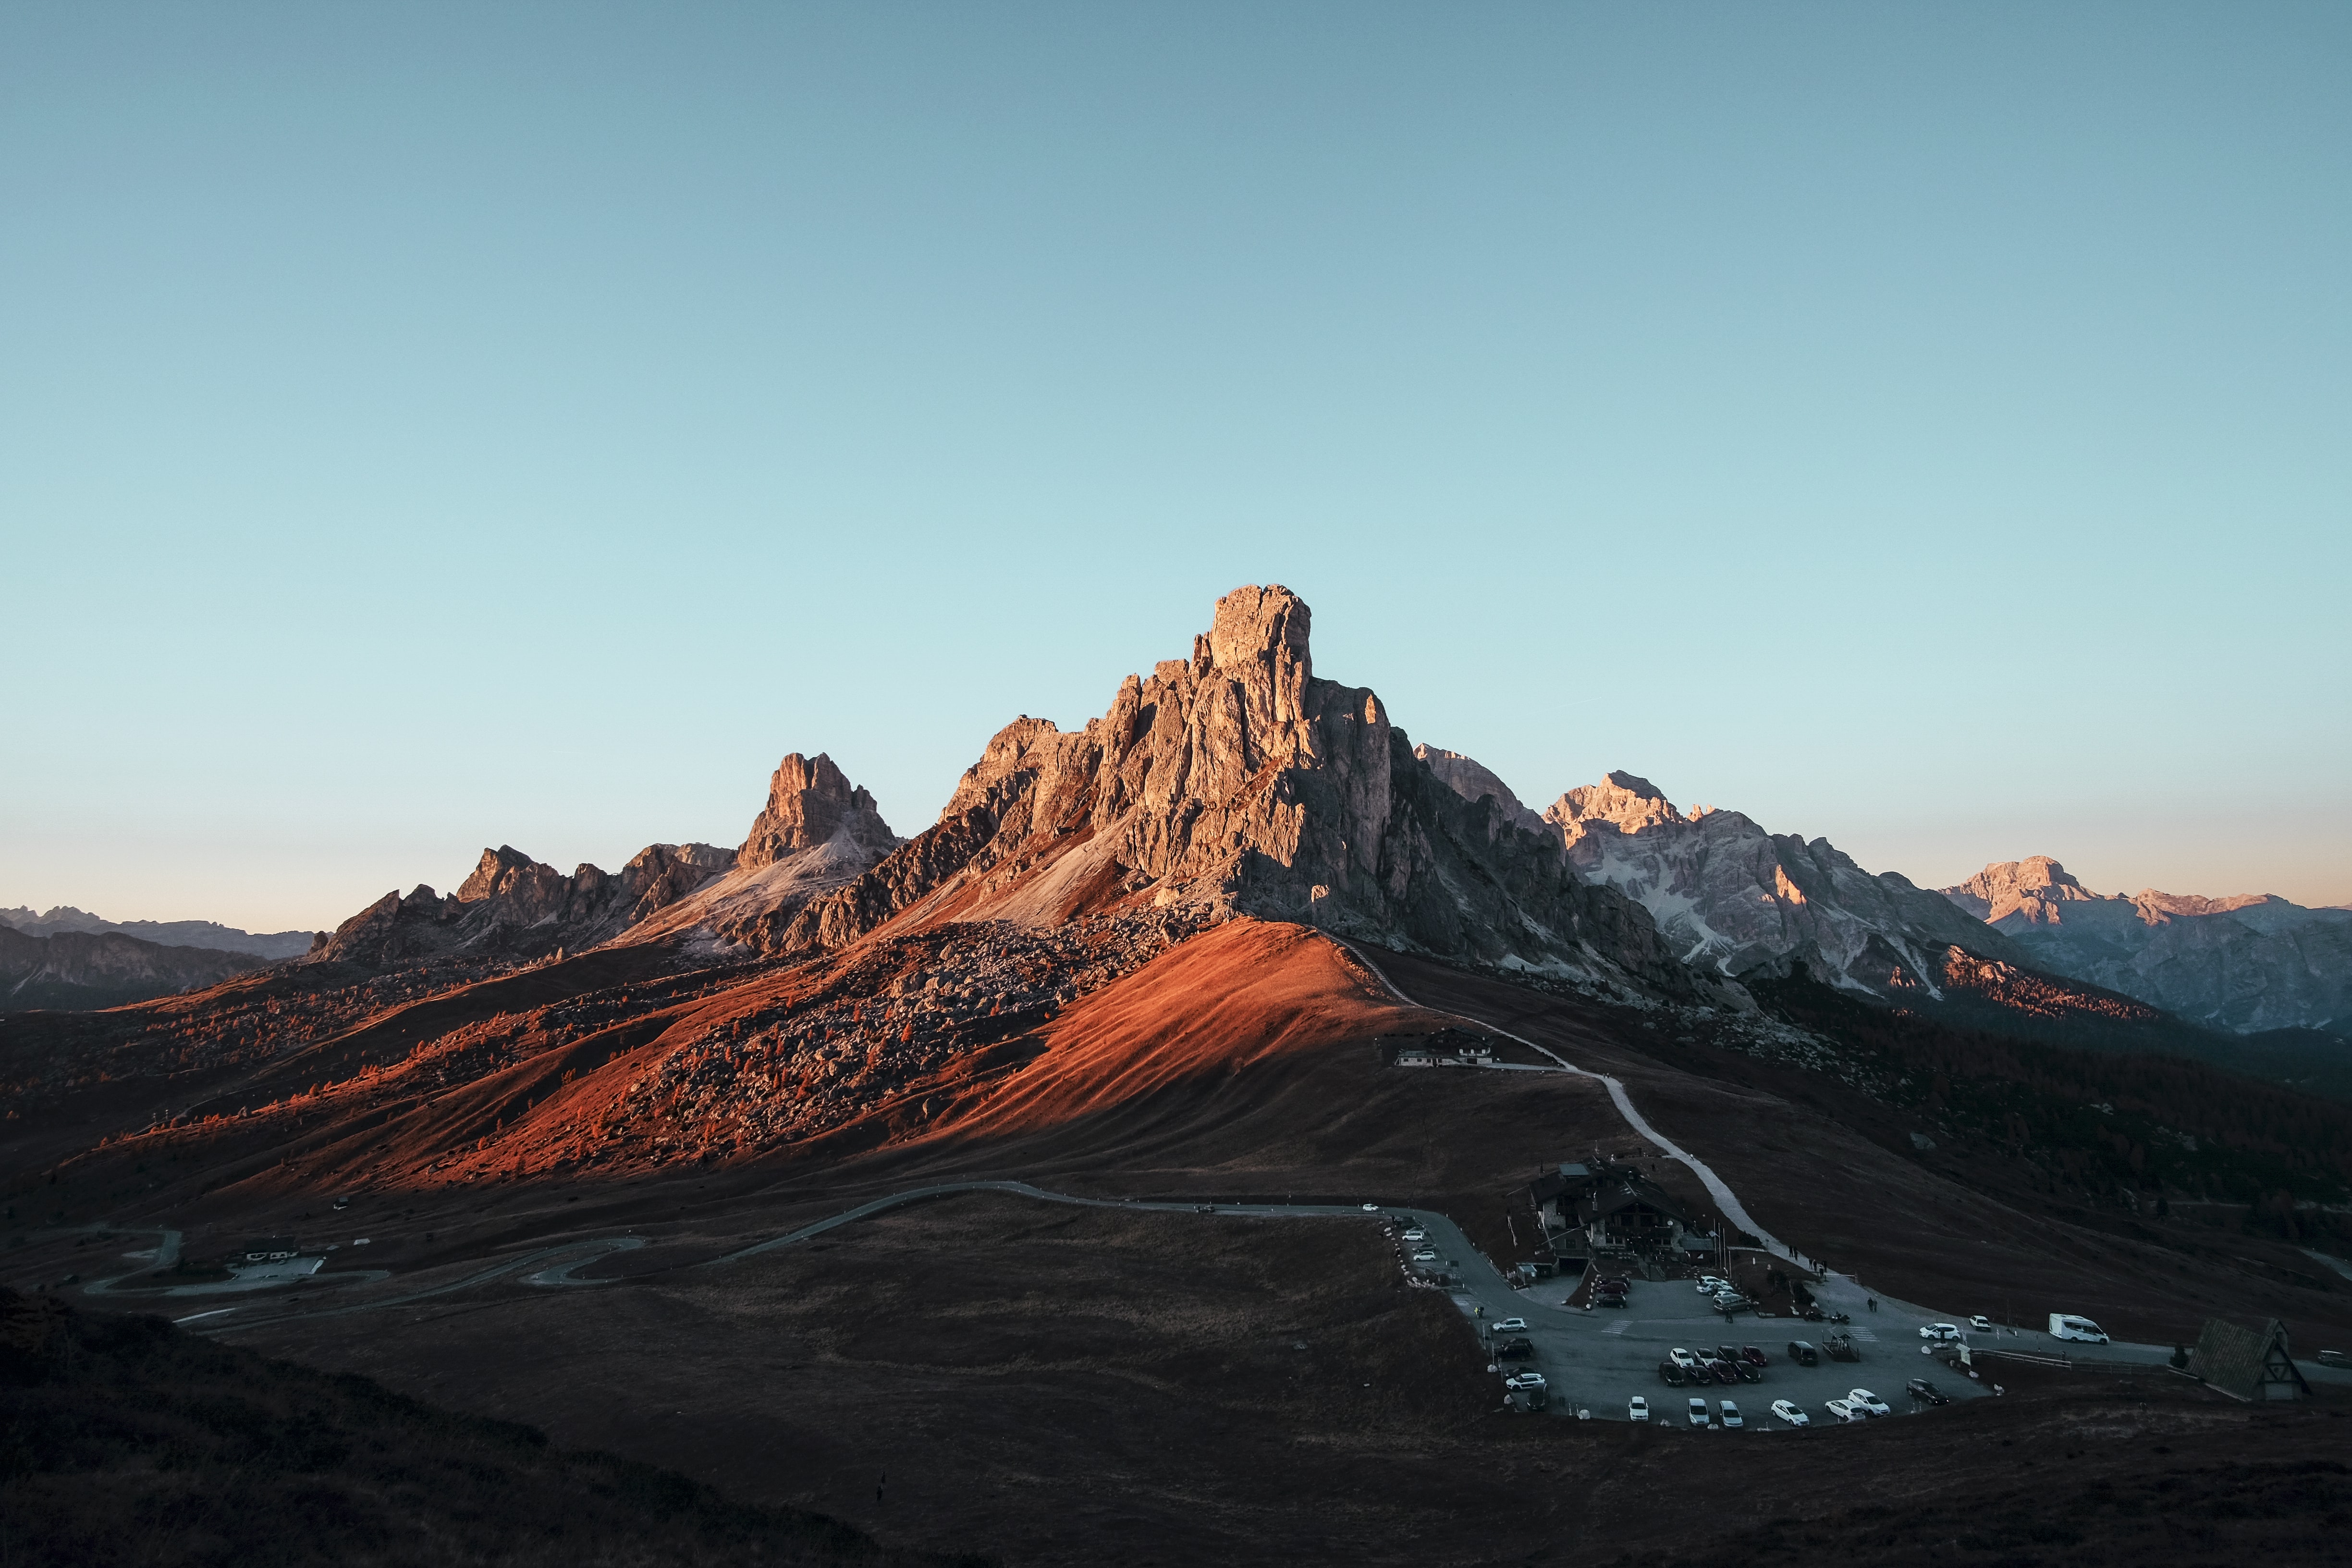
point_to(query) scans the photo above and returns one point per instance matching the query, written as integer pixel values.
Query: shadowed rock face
(1237, 781)
(2248, 962)
(70, 969)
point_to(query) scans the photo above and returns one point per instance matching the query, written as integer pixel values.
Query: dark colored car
(1613, 1282)
(1920, 1388)
(1673, 1376)
(1803, 1353)
(1812, 1314)
(1754, 1356)
(1722, 1372)
(1611, 1299)
(1518, 1347)
(1748, 1370)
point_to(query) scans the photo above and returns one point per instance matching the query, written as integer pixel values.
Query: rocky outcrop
(2248, 964)
(514, 904)
(817, 832)
(1237, 781)
(70, 969)
(1739, 900)
(809, 803)
(164, 934)
(1466, 777)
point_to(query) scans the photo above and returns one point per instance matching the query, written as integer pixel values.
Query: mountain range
(164, 934)
(624, 1153)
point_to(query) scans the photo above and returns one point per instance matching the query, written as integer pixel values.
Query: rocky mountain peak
(1468, 778)
(1237, 781)
(1625, 802)
(809, 800)
(2000, 890)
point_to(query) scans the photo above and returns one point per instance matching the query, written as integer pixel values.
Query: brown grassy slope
(1961, 1240)
(124, 1441)
(1063, 1386)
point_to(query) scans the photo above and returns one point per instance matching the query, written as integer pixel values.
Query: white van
(2066, 1326)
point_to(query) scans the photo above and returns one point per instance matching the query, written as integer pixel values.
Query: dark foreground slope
(123, 1440)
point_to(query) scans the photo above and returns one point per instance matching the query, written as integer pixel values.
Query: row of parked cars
(1722, 1364)
(1858, 1405)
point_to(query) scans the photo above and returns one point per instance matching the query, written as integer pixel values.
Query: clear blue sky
(427, 426)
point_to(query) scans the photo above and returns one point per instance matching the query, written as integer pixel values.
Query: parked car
(1515, 1348)
(1425, 1254)
(1790, 1412)
(1748, 1370)
(1672, 1376)
(1708, 1284)
(1723, 1372)
(1530, 1378)
(1727, 1305)
(1512, 1326)
(1371, 1208)
(1699, 1415)
(1609, 1298)
(1637, 1409)
(1681, 1358)
(1728, 1412)
(1844, 1410)
(1753, 1356)
(1980, 1323)
(1614, 1282)
(1802, 1352)
(1867, 1402)
(1943, 1332)
(1921, 1389)
(1416, 1234)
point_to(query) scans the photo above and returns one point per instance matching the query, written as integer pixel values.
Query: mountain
(1237, 781)
(1731, 896)
(2248, 964)
(105, 969)
(164, 934)
(816, 831)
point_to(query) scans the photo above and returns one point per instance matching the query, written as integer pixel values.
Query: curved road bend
(1716, 1188)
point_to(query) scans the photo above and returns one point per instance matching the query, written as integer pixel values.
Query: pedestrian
(1873, 1303)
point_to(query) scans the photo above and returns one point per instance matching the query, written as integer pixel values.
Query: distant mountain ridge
(84, 969)
(816, 831)
(2248, 962)
(164, 934)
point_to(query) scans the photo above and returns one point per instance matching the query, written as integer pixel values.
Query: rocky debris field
(905, 1023)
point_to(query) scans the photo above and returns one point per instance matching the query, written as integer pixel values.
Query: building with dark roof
(2247, 1363)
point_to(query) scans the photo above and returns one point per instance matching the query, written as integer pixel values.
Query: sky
(432, 426)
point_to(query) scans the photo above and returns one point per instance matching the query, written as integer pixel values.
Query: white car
(1946, 1332)
(1845, 1412)
(1371, 1208)
(1681, 1358)
(1512, 1326)
(1729, 1415)
(1424, 1256)
(1416, 1234)
(1708, 1284)
(1980, 1323)
(1525, 1380)
(1637, 1409)
(1791, 1413)
(1699, 1415)
(1869, 1403)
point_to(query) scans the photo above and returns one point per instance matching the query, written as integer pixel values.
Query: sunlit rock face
(1237, 782)
(2248, 963)
(1732, 897)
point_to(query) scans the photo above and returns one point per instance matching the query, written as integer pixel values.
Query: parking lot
(1598, 1359)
